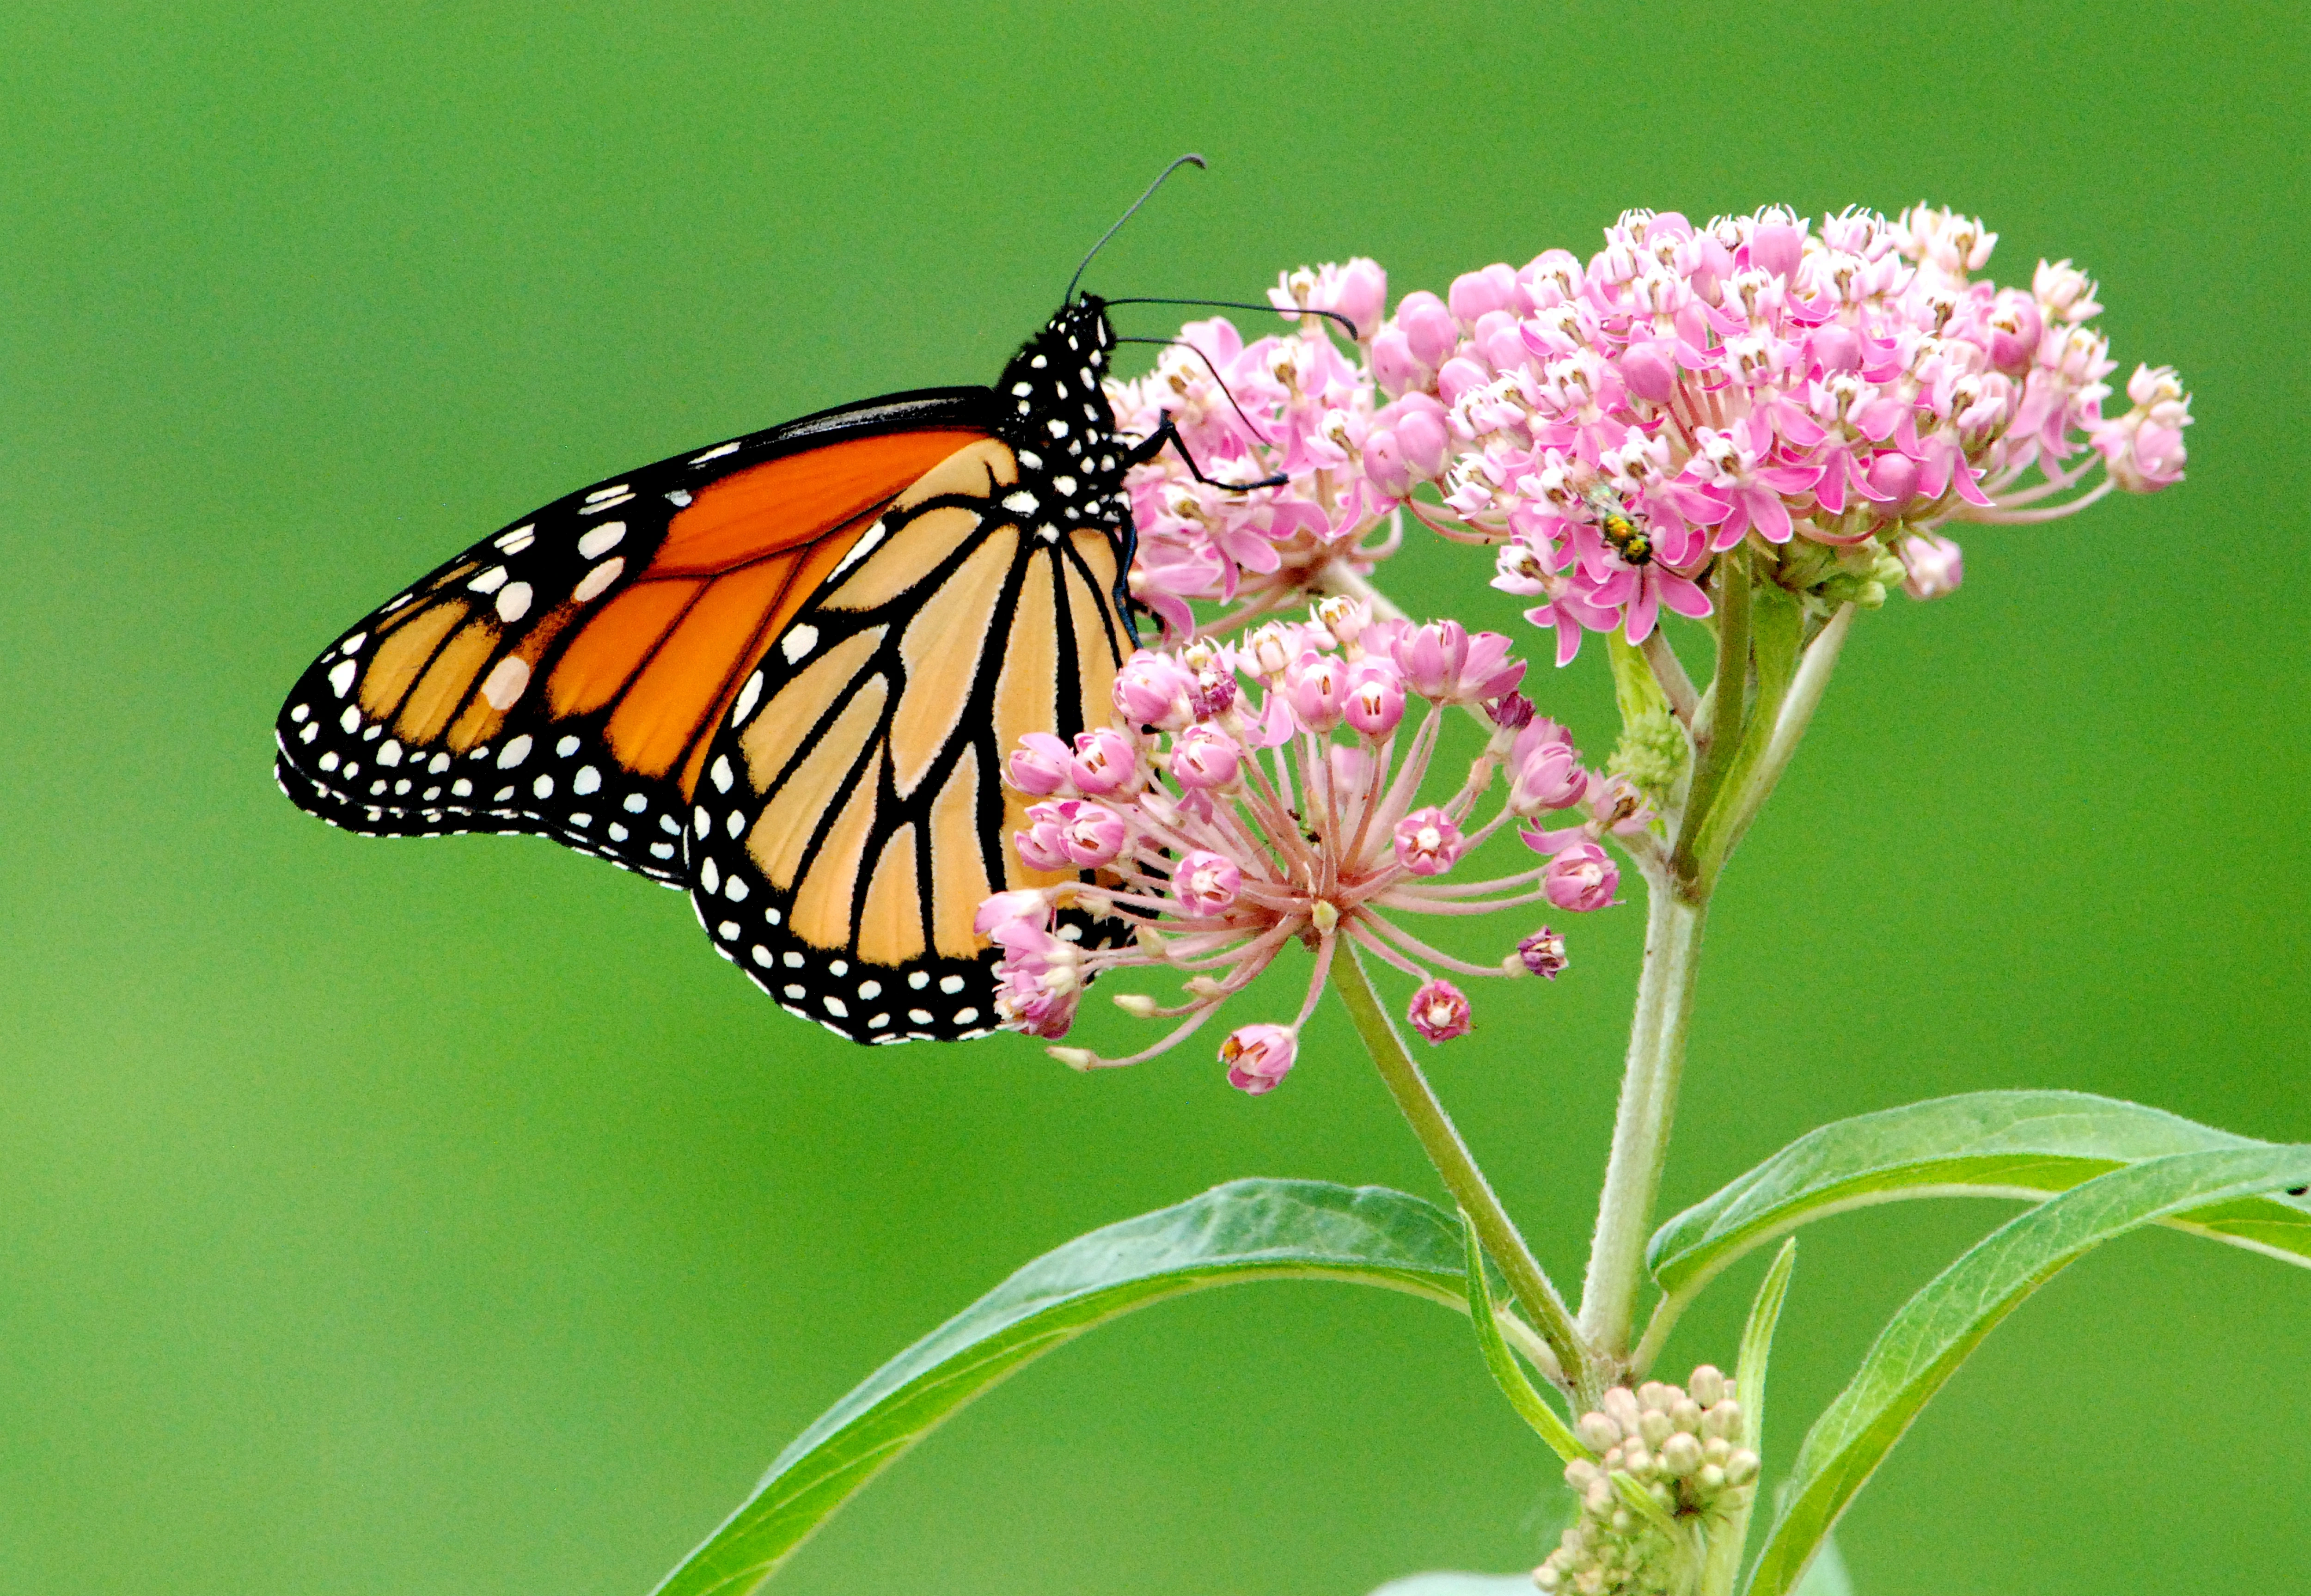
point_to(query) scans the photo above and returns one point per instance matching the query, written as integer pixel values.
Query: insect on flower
(1618, 528)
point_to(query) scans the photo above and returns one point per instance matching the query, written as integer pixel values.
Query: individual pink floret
(1439, 1012)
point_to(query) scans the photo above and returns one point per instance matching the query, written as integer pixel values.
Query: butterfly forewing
(561, 676)
(853, 815)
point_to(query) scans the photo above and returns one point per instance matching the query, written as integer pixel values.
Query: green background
(411, 1218)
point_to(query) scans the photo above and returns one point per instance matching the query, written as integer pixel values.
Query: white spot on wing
(341, 676)
(601, 540)
(860, 550)
(514, 603)
(748, 697)
(598, 578)
(588, 780)
(714, 454)
(514, 753)
(490, 580)
(798, 642)
(504, 685)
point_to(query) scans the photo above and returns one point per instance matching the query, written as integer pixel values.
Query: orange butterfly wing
(563, 677)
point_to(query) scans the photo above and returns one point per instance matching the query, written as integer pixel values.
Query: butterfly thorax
(1059, 422)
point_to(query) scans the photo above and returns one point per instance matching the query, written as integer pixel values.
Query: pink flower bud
(1375, 697)
(1206, 883)
(1439, 1012)
(1393, 367)
(1432, 656)
(1421, 436)
(1204, 757)
(1543, 953)
(2016, 326)
(1458, 376)
(1549, 776)
(1650, 371)
(1428, 843)
(1360, 293)
(1581, 877)
(1316, 686)
(1384, 467)
(1776, 247)
(1835, 347)
(1259, 1057)
(2153, 459)
(1152, 690)
(1094, 834)
(1443, 662)
(1428, 328)
(1041, 765)
(1028, 905)
(1473, 293)
(1893, 478)
(1104, 761)
(1934, 566)
(1043, 846)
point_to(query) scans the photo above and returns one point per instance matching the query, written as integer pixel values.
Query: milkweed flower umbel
(1287, 789)
(1832, 394)
(1829, 394)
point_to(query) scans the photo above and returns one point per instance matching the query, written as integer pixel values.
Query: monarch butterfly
(779, 673)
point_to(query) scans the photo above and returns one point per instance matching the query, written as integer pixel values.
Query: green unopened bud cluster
(1651, 754)
(1681, 1450)
(1828, 576)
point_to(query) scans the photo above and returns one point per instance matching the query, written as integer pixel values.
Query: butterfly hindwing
(561, 677)
(852, 815)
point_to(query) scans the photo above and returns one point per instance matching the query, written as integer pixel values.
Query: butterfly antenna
(1251, 425)
(1248, 305)
(1189, 158)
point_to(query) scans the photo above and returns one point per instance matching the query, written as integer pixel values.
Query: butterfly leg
(1152, 445)
(1145, 449)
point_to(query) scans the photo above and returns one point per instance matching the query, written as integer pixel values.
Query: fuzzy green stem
(1457, 1169)
(1647, 1113)
(1719, 738)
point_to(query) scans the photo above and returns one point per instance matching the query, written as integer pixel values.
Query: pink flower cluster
(1832, 394)
(1846, 388)
(1292, 405)
(1255, 795)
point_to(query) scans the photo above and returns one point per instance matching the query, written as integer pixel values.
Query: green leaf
(1246, 1230)
(1924, 1344)
(1529, 1404)
(1724, 1557)
(1984, 1144)
(1757, 1345)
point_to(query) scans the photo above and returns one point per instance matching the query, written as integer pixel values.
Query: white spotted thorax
(1060, 423)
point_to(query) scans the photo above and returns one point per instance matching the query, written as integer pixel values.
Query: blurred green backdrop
(397, 1218)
